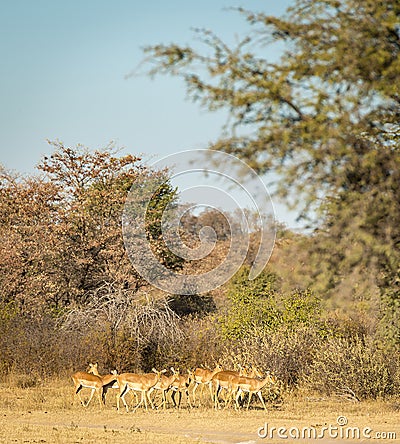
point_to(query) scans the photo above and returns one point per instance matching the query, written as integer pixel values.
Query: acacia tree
(324, 117)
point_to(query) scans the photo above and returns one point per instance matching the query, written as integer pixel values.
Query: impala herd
(235, 383)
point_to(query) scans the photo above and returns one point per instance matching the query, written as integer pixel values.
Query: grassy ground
(46, 414)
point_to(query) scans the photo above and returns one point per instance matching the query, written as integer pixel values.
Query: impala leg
(211, 387)
(217, 393)
(90, 397)
(134, 401)
(100, 396)
(216, 400)
(233, 397)
(103, 394)
(213, 392)
(142, 401)
(124, 401)
(163, 400)
(248, 402)
(147, 395)
(149, 392)
(228, 398)
(239, 392)
(262, 400)
(118, 398)
(188, 398)
(78, 389)
(196, 384)
(166, 396)
(121, 395)
(179, 399)
(173, 394)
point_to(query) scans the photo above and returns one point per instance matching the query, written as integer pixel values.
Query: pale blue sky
(63, 67)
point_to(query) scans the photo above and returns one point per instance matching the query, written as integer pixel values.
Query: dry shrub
(356, 369)
(21, 380)
(35, 347)
(132, 328)
(200, 345)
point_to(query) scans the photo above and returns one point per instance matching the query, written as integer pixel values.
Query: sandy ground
(197, 425)
(49, 414)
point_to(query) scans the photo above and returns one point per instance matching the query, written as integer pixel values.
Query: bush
(356, 368)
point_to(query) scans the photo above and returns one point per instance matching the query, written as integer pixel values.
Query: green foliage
(160, 206)
(257, 306)
(300, 307)
(305, 112)
(252, 305)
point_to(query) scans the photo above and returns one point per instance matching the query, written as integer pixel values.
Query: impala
(223, 380)
(141, 383)
(219, 381)
(254, 372)
(88, 380)
(163, 385)
(203, 376)
(109, 381)
(181, 384)
(252, 386)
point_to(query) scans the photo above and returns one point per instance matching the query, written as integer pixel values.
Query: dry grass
(45, 413)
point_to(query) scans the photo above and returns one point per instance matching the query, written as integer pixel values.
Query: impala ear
(154, 370)
(163, 370)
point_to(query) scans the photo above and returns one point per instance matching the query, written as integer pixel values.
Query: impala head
(271, 377)
(175, 372)
(158, 373)
(93, 368)
(256, 372)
